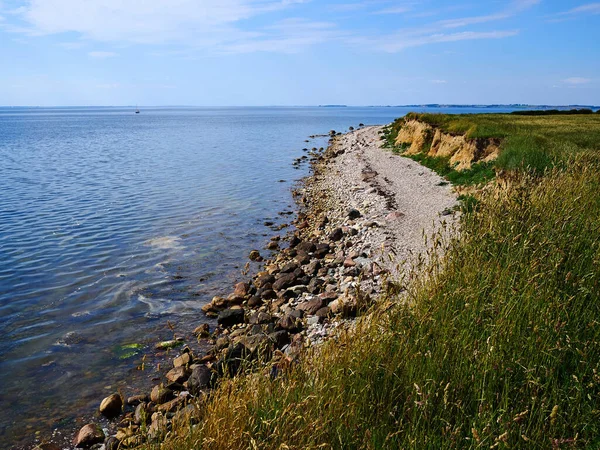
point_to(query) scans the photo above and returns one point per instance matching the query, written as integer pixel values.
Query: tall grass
(498, 345)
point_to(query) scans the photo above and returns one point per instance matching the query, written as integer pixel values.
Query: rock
(234, 299)
(348, 262)
(302, 257)
(112, 443)
(260, 318)
(137, 399)
(222, 342)
(263, 280)
(186, 416)
(200, 379)
(272, 245)
(285, 281)
(88, 435)
(173, 405)
(313, 320)
(202, 331)
(323, 312)
(279, 339)
(354, 214)
(289, 268)
(183, 360)
(311, 306)
(178, 375)
(253, 343)
(241, 289)
(302, 225)
(289, 323)
(314, 286)
(268, 294)
(306, 246)
(47, 446)
(255, 256)
(158, 428)
(111, 406)
(161, 394)
(254, 302)
(313, 268)
(336, 235)
(230, 317)
(141, 414)
(394, 215)
(321, 250)
(295, 240)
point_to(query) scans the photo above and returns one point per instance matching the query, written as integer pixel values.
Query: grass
(529, 142)
(496, 343)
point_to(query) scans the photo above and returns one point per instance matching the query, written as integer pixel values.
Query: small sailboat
(137, 110)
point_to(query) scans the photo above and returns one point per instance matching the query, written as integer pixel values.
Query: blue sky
(298, 52)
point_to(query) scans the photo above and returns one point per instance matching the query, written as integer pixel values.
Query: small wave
(165, 243)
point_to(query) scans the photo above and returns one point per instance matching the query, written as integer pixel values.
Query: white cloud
(590, 8)
(577, 81)
(402, 43)
(394, 10)
(102, 55)
(438, 81)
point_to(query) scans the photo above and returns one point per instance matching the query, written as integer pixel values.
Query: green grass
(495, 345)
(532, 143)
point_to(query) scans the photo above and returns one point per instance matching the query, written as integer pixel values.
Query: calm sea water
(115, 228)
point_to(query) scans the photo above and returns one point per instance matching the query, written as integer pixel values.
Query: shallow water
(115, 228)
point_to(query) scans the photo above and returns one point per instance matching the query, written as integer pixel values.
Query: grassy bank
(498, 345)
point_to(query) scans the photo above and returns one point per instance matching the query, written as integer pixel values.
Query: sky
(298, 52)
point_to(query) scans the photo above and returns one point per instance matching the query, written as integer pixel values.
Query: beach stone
(306, 247)
(177, 375)
(112, 443)
(260, 318)
(284, 281)
(254, 256)
(141, 414)
(354, 214)
(186, 416)
(263, 280)
(137, 399)
(314, 286)
(159, 427)
(230, 317)
(47, 446)
(302, 257)
(88, 435)
(161, 394)
(348, 262)
(111, 406)
(323, 312)
(313, 267)
(252, 343)
(200, 379)
(172, 405)
(279, 339)
(294, 240)
(272, 245)
(336, 235)
(289, 323)
(182, 360)
(311, 306)
(202, 331)
(241, 289)
(289, 268)
(254, 302)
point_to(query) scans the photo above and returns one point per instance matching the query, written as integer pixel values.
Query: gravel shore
(364, 214)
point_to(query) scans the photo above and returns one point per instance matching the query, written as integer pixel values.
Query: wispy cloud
(394, 10)
(102, 55)
(590, 8)
(438, 81)
(576, 81)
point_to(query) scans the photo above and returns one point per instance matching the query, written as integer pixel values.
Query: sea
(116, 228)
